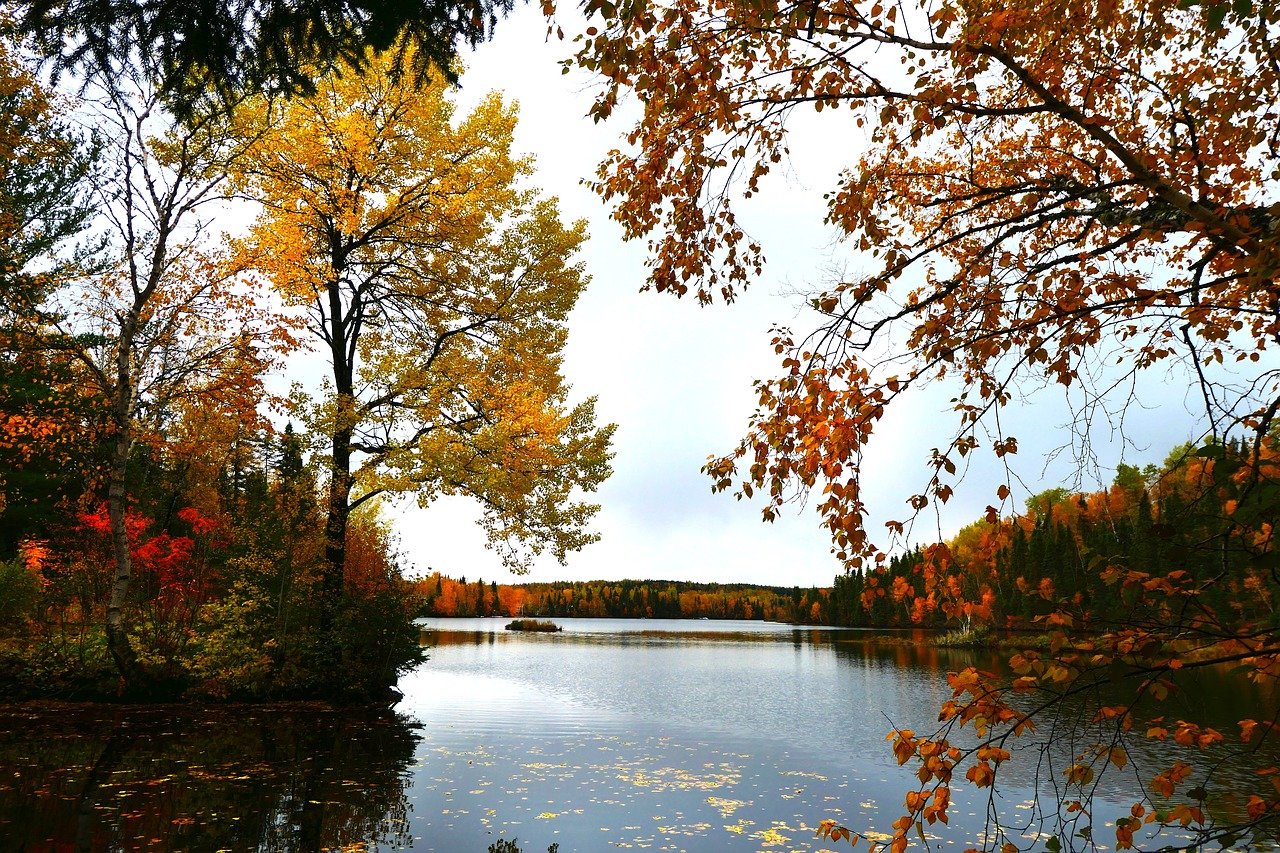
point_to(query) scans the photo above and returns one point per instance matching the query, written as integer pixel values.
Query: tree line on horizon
(622, 599)
(1067, 548)
(1005, 575)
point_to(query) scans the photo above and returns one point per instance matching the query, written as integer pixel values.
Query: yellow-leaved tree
(439, 289)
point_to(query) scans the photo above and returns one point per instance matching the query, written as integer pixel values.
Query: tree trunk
(121, 651)
(335, 529)
(342, 353)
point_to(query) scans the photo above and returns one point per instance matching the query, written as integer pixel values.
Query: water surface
(693, 736)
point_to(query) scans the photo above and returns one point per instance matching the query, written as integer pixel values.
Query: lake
(692, 736)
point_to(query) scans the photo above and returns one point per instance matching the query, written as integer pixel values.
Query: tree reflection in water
(180, 778)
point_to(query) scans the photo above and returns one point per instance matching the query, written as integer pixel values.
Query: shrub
(532, 625)
(19, 596)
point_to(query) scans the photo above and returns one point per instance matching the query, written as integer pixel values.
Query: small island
(533, 625)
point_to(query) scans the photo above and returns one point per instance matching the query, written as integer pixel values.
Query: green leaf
(1053, 845)
(1224, 468)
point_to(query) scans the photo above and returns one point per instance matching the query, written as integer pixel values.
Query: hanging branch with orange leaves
(1062, 193)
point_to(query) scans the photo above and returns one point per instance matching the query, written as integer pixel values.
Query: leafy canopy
(44, 168)
(439, 288)
(1037, 192)
(1045, 187)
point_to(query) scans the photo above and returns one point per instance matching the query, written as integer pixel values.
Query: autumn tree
(164, 320)
(45, 164)
(1054, 193)
(44, 217)
(438, 288)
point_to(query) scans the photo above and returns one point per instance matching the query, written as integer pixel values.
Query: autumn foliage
(627, 599)
(437, 284)
(164, 536)
(1121, 597)
(223, 599)
(1036, 195)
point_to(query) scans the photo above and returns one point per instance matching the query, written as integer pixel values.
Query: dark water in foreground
(661, 735)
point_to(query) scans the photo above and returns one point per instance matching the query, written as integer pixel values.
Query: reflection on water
(180, 778)
(613, 734)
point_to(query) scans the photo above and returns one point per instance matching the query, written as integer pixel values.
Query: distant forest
(1066, 548)
(626, 599)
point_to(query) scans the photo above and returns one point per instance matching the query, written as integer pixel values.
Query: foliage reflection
(166, 778)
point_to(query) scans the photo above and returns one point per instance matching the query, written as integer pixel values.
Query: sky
(676, 378)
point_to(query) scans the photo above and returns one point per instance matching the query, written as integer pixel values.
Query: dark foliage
(199, 48)
(538, 625)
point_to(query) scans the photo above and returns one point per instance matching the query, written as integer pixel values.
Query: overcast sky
(676, 378)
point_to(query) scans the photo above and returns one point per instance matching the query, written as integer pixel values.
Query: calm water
(615, 734)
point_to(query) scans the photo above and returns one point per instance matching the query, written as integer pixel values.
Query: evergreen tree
(202, 53)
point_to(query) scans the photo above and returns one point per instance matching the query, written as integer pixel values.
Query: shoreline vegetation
(58, 703)
(537, 626)
(974, 637)
(229, 607)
